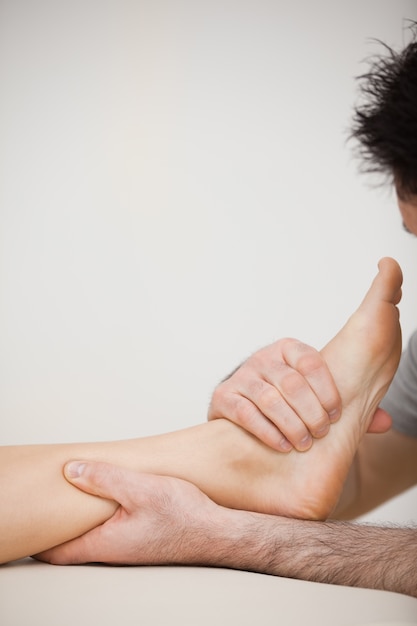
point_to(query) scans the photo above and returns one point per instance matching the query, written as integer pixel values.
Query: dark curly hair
(385, 123)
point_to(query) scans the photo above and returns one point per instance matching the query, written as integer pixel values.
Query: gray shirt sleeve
(401, 399)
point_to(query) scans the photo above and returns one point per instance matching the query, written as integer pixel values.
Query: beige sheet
(33, 594)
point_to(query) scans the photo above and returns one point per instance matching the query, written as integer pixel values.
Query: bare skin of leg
(41, 509)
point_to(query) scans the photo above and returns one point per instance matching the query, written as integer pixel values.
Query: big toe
(387, 283)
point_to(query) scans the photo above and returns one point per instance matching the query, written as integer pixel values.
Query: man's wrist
(234, 539)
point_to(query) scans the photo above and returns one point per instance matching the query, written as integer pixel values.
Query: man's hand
(164, 521)
(160, 520)
(284, 394)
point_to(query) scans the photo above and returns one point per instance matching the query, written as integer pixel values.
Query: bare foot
(363, 358)
(236, 470)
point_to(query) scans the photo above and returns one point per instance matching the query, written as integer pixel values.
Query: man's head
(385, 123)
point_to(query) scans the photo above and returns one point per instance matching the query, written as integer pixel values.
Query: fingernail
(285, 445)
(334, 416)
(306, 442)
(74, 469)
(322, 431)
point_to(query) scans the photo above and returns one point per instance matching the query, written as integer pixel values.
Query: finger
(85, 549)
(310, 364)
(275, 404)
(307, 415)
(287, 385)
(381, 422)
(293, 388)
(242, 411)
(102, 479)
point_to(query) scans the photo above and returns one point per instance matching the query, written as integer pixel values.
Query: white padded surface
(36, 594)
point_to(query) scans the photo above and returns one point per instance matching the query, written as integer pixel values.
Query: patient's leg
(40, 509)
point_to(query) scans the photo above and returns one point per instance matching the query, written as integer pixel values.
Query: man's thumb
(74, 470)
(97, 478)
(90, 477)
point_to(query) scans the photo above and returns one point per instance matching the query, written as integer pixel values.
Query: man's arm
(162, 520)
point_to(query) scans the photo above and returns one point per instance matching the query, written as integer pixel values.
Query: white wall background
(175, 192)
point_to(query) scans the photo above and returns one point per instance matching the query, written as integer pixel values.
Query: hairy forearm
(340, 553)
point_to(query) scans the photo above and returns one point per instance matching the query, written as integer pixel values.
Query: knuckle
(309, 361)
(245, 411)
(291, 346)
(315, 421)
(319, 424)
(333, 400)
(256, 386)
(293, 428)
(216, 399)
(291, 384)
(221, 400)
(100, 475)
(289, 342)
(298, 352)
(269, 396)
(94, 474)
